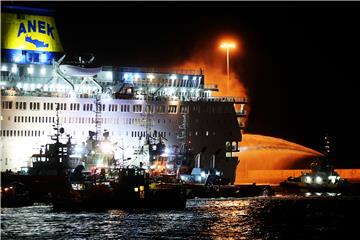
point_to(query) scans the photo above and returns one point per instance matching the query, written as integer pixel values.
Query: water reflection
(279, 217)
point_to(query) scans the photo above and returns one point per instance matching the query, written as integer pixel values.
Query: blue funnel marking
(37, 43)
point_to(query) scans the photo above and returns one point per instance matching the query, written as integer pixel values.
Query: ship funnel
(29, 35)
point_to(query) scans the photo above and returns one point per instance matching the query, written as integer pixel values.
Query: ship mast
(98, 117)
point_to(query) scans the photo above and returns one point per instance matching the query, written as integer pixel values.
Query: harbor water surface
(278, 217)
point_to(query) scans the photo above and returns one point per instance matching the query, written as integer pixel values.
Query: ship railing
(162, 70)
(228, 99)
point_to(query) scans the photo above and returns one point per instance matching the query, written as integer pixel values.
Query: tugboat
(100, 183)
(49, 172)
(322, 179)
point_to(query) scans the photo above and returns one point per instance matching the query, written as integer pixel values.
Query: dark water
(280, 217)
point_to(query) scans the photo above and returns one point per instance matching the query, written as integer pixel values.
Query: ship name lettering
(36, 26)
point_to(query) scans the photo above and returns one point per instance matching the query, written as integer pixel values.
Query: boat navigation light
(308, 179)
(332, 178)
(318, 180)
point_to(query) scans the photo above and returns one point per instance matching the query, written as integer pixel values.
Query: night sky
(299, 62)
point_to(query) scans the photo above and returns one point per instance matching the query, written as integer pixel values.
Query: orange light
(228, 45)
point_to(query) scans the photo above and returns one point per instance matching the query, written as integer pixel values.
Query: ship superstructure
(133, 105)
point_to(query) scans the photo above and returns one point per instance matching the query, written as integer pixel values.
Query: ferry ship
(171, 106)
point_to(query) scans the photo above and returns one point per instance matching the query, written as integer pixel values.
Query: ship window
(184, 109)
(137, 108)
(15, 118)
(172, 109)
(161, 109)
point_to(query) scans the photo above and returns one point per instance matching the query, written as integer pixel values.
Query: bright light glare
(109, 75)
(137, 76)
(3, 68)
(42, 71)
(106, 147)
(17, 58)
(332, 179)
(151, 77)
(318, 180)
(173, 77)
(30, 70)
(14, 69)
(228, 45)
(308, 179)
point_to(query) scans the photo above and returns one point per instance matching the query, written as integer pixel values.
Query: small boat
(322, 178)
(15, 194)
